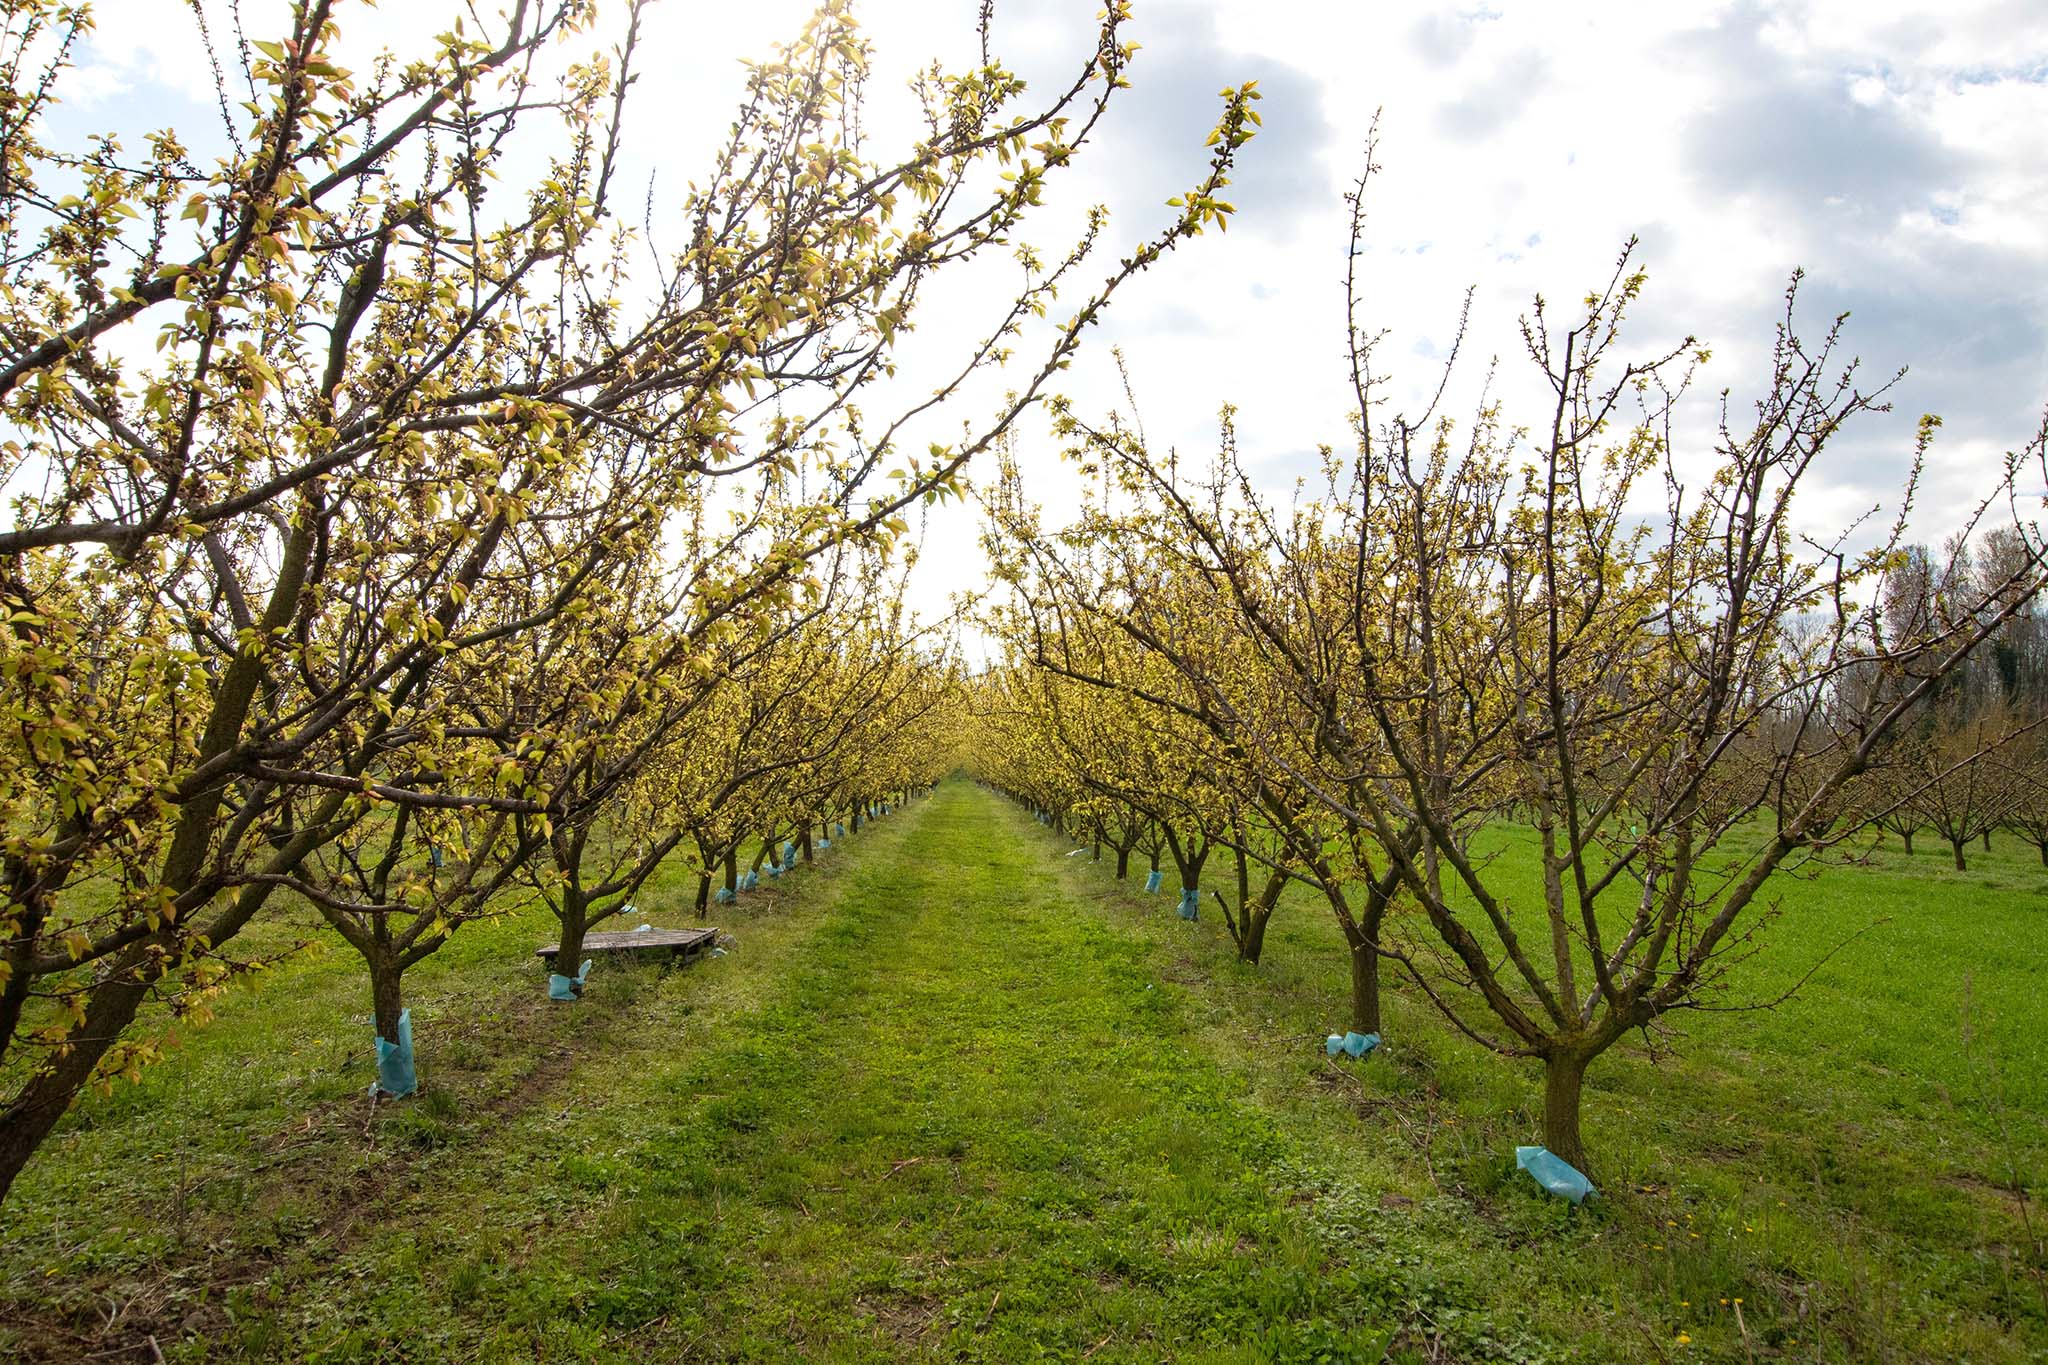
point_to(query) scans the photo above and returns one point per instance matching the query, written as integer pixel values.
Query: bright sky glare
(1892, 150)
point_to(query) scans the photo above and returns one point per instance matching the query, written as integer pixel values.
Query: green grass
(1843, 1164)
(954, 1095)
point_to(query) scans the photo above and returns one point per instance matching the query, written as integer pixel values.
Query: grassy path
(963, 1122)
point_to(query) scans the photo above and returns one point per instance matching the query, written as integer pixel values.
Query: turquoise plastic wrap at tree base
(839, 830)
(823, 842)
(752, 881)
(724, 896)
(789, 855)
(1352, 1044)
(568, 987)
(1555, 1174)
(395, 1075)
(1190, 902)
(775, 869)
(1155, 881)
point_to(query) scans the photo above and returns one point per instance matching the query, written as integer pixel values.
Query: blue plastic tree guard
(1190, 902)
(774, 868)
(723, 896)
(1352, 1044)
(1154, 881)
(789, 855)
(568, 987)
(839, 830)
(1554, 1173)
(396, 1077)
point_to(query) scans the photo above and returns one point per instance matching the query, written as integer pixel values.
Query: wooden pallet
(683, 944)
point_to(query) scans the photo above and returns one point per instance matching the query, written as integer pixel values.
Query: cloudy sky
(1893, 151)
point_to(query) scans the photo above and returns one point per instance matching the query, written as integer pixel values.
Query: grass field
(955, 1094)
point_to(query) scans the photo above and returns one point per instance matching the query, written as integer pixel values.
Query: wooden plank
(682, 942)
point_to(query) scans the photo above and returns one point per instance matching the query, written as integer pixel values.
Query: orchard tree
(1958, 788)
(2023, 767)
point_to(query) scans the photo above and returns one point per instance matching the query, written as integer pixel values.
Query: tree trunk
(387, 998)
(1987, 841)
(1190, 867)
(1564, 1075)
(1251, 939)
(732, 871)
(2044, 852)
(1365, 985)
(124, 985)
(703, 894)
(42, 1102)
(1907, 835)
(574, 914)
(803, 841)
(1957, 845)
(570, 955)
(1123, 861)
(854, 824)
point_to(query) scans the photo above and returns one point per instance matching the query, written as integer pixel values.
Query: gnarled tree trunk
(1564, 1076)
(1365, 984)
